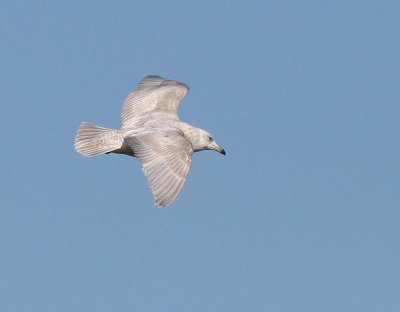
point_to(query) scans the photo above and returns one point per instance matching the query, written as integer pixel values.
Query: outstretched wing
(166, 161)
(153, 94)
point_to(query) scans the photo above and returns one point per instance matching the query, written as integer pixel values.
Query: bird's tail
(92, 140)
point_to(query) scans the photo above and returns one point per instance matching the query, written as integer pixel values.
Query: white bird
(152, 132)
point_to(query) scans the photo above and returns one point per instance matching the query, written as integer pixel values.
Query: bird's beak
(219, 149)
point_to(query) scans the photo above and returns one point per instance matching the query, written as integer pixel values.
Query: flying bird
(152, 132)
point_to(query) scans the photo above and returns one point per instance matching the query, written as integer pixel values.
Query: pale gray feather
(92, 140)
(166, 160)
(153, 94)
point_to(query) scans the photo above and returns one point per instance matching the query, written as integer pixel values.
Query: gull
(152, 132)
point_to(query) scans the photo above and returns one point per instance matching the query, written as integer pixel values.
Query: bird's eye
(210, 138)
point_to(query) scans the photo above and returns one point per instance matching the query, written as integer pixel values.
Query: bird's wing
(166, 161)
(153, 94)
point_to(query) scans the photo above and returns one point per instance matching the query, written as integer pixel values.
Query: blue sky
(302, 214)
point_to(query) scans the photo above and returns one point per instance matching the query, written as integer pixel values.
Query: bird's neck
(191, 134)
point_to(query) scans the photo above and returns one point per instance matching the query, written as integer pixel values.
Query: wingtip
(160, 206)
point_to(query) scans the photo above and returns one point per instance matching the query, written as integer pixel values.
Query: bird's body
(152, 132)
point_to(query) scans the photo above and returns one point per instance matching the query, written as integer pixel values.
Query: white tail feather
(92, 140)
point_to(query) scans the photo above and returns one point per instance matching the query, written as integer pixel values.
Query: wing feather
(166, 161)
(153, 94)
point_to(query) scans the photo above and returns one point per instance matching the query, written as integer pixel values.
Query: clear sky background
(302, 214)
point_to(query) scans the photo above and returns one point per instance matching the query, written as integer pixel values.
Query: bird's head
(205, 141)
